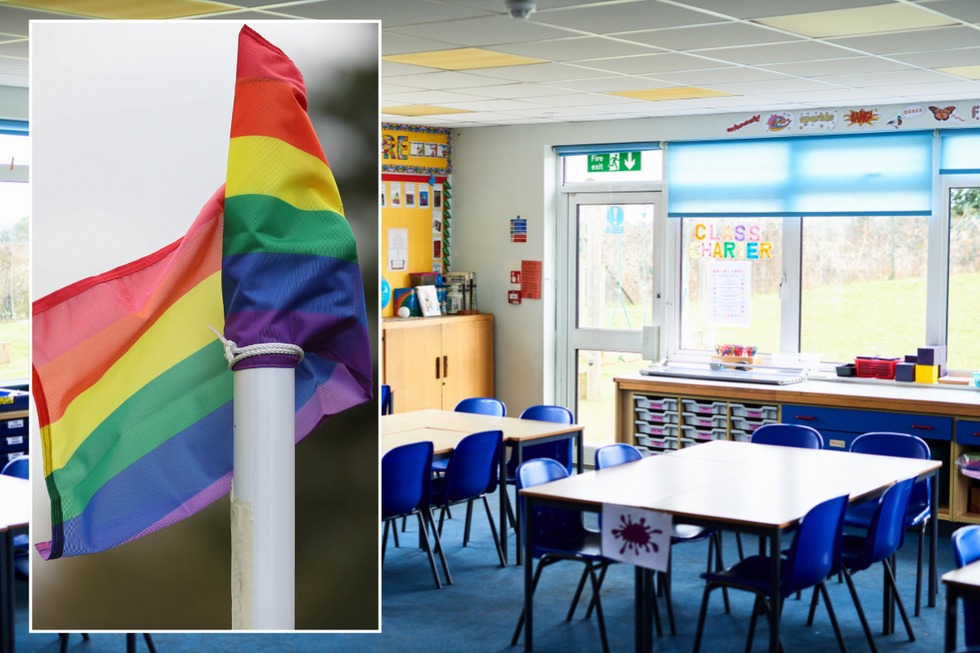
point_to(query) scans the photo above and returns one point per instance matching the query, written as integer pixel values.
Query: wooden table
(749, 488)
(15, 503)
(444, 428)
(960, 583)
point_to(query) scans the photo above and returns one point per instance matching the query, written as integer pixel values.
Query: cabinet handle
(437, 367)
(924, 428)
(445, 367)
(805, 417)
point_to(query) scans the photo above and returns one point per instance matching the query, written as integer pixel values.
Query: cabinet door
(468, 350)
(411, 358)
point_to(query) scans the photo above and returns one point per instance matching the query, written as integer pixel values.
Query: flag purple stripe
(339, 393)
(206, 497)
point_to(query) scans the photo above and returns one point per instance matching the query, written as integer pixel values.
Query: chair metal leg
(395, 532)
(598, 608)
(701, 615)
(813, 606)
(756, 609)
(719, 566)
(738, 541)
(469, 522)
(404, 523)
(860, 611)
(578, 594)
(439, 548)
(918, 573)
(64, 642)
(384, 543)
(428, 550)
(833, 617)
(534, 586)
(898, 597)
(493, 530)
(149, 643)
(670, 604)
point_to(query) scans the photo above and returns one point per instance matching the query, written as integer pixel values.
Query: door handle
(445, 366)
(437, 367)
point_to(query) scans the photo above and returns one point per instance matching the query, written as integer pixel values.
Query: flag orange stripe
(265, 107)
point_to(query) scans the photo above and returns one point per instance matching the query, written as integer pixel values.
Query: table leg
(951, 601)
(639, 607)
(7, 579)
(528, 573)
(519, 452)
(504, 499)
(580, 443)
(774, 561)
(649, 595)
(933, 538)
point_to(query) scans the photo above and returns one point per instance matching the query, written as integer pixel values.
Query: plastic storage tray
(659, 430)
(743, 424)
(688, 442)
(741, 436)
(754, 411)
(16, 426)
(702, 434)
(705, 421)
(706, 407)
(655, 403)
(664, 417)
(13, 399)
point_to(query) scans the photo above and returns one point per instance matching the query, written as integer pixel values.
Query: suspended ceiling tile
(859, 20)
(126, 9)
(832, 96)
(942, 38)
(585, 47)
(462, 59)
(650, 63)
(388, 89)
(886, 79)
(487, 30)
(606, 84)
(415, 96)
(586, 100)
(761, 8)
(445, 80)
(967, 10)
(14, 78)
(718, 76)
(938, 90)
(546, 72)
(392, 43)
(15, 49)
(778, 53)
(516, 90)
(497, 6)
(394, 14)
(491, 106)
(969, 72)
(825, 68)
(560, 112)
(243, 15)
(775, 86)
(7, 38)
(604, 18)
(392, 69)
(15, 20)
(707, 36)
(942, 58)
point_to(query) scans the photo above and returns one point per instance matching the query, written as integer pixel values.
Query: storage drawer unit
(705, 421)
(656, 430)
(967, 432)
(755, 411)
(928, 427)
(659, 417)
(655, 403)
(705, 407)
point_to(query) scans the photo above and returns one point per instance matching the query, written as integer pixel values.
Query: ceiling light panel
(418, 110)
(968, 10)
(969, 72)
(394, 14)
(861, 20)
(707, 36)
(126, 9)
(763, 8)
(573, 49)
(479, 32)
(676, 93)
(607, 17)
(941, 38)
(462, 59)
(778, 53)
(652, 63)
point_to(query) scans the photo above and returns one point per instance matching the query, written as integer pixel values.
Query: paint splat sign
(636, 536)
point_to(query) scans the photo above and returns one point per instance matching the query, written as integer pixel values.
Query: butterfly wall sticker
(942, 114)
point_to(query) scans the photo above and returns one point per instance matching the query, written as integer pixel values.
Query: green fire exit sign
(614, 162)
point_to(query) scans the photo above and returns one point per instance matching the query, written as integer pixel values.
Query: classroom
(771, 209)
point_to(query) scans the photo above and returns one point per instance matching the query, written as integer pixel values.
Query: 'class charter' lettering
(738, 242)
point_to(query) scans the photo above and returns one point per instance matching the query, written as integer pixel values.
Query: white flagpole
(264, 500)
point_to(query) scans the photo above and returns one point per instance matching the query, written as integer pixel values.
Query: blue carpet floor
(478, 612)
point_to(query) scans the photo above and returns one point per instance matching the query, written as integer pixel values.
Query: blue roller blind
(604, 148)
(14, 127)
(879, 174)
(960, 152)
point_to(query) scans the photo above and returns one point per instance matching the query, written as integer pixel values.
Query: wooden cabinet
(435, 362)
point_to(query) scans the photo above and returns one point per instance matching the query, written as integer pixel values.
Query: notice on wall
(397, 249)
(531, 279)
(395, 194)
(437, 209)
(728, 293)
(384, 192)
(518, 230)
(409, 195)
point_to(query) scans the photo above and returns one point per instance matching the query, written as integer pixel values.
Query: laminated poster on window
(728, 293)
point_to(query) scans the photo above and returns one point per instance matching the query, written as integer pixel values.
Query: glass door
(610, 277)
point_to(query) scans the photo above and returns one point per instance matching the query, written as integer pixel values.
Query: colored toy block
(932, 355)
(927, 374)
(905, 372)
(911, 358)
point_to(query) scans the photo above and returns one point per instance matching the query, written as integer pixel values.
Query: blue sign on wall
(615, 217)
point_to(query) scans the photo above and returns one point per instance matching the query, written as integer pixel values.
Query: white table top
(15, 502)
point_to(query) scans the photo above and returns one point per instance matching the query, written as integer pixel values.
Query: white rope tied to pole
(235, 354)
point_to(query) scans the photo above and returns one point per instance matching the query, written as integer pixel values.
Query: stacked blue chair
(788, 435)
(966, 549)
(471, 474)
(20, 468)
(476, 406)
(813, 555)
(405, 479)
(387, 403)
(559, 534)
(900, 445)
(885, 535)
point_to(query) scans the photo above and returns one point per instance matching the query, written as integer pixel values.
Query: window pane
(754, 246)
(16, 148)
(615, 264)
(963, 333)
(14, 299)
(576, 170)
(863, 286)
(597, 392)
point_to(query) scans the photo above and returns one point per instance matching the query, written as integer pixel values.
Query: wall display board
(415, 149)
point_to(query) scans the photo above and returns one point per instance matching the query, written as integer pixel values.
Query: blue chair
(813, 555)
(477, 406)
(560, 451)
(471, 474)
(788, 435)
(885, 535)
(387, 401)
(966, 549)
(405, 478)
(559, 534)
(901, 445)
(20, 468)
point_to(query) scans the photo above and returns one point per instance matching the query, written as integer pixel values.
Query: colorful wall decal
(745, 123)
(825, 119)
(779, 121)
(862, 118)
(415, 149)
(942, 114)
(975, 112)
(912, 111)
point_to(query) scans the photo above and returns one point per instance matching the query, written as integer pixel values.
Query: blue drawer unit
(837, 440)
(10, 443)
(967, 432)
(927, 427)
(17, 426)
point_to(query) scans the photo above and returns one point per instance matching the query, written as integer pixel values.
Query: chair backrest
(886, 532)
(900, 445)
(550, 524)
(482, 406)
(386, 399)
(788, 435)
(405, 474)
(966, 545)
(815, 551)
(560, 451)
(19, 467)
(472, 469)
(616, 454)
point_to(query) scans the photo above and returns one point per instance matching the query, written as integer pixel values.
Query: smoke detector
(519, 8)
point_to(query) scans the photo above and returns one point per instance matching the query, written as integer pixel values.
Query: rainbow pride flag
(133, 392)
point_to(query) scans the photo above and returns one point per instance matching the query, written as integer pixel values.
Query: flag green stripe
(170, 403)
(262, 223)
